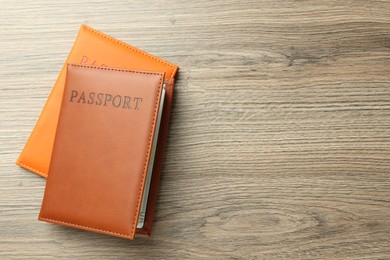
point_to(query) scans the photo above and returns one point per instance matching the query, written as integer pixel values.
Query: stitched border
(174, 67)
(147, 154)
(116, 69)
(81, 226)
(43, 174)
(149, 148)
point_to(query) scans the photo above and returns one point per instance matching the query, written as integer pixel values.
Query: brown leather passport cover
(90, 48)
(102, 149)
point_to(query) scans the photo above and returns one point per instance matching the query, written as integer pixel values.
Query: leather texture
(90, 48)
(95, 48)
(102, 149)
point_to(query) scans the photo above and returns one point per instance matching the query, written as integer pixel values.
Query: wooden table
(279, 144)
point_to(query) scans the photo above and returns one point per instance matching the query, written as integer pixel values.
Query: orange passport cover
(90, 48)
(102, 149)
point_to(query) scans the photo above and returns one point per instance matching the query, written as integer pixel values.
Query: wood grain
(279, 145)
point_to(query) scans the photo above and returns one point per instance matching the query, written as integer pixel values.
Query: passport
(104, 148)
(94, 48)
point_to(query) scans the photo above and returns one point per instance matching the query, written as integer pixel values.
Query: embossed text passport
(103, 155)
